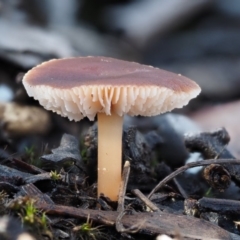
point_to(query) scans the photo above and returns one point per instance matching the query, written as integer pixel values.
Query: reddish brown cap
(82, 87)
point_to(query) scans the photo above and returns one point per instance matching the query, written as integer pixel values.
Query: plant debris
(63, 189)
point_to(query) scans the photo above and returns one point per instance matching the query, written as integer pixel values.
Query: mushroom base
(109, 154)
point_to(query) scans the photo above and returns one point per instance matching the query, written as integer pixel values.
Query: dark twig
(145, 200)
(180, 189)
(192, 165)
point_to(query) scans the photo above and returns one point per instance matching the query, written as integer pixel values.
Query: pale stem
(109, 154)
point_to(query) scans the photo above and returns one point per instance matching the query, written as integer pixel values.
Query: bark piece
(67, 153)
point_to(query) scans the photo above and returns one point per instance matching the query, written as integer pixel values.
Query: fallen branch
(148, 223)
(153, 223)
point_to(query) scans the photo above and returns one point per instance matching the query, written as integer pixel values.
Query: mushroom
(109, 88)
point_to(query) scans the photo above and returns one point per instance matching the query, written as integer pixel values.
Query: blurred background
(199, 39)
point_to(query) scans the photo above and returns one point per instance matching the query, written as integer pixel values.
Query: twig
(119, 226)
(180, 189)
(123, 186)
(145, 200)
(122, 191)
(106, 218)
(191, 165)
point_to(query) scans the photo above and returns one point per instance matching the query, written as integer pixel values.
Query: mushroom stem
(109, 154)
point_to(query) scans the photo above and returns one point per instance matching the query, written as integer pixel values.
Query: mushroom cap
(84, 86)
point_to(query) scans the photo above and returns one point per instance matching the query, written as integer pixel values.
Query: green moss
(55, 176)
(33, 219)
(87, 231)
(208, 193)
(31, 156)
(83, 151)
